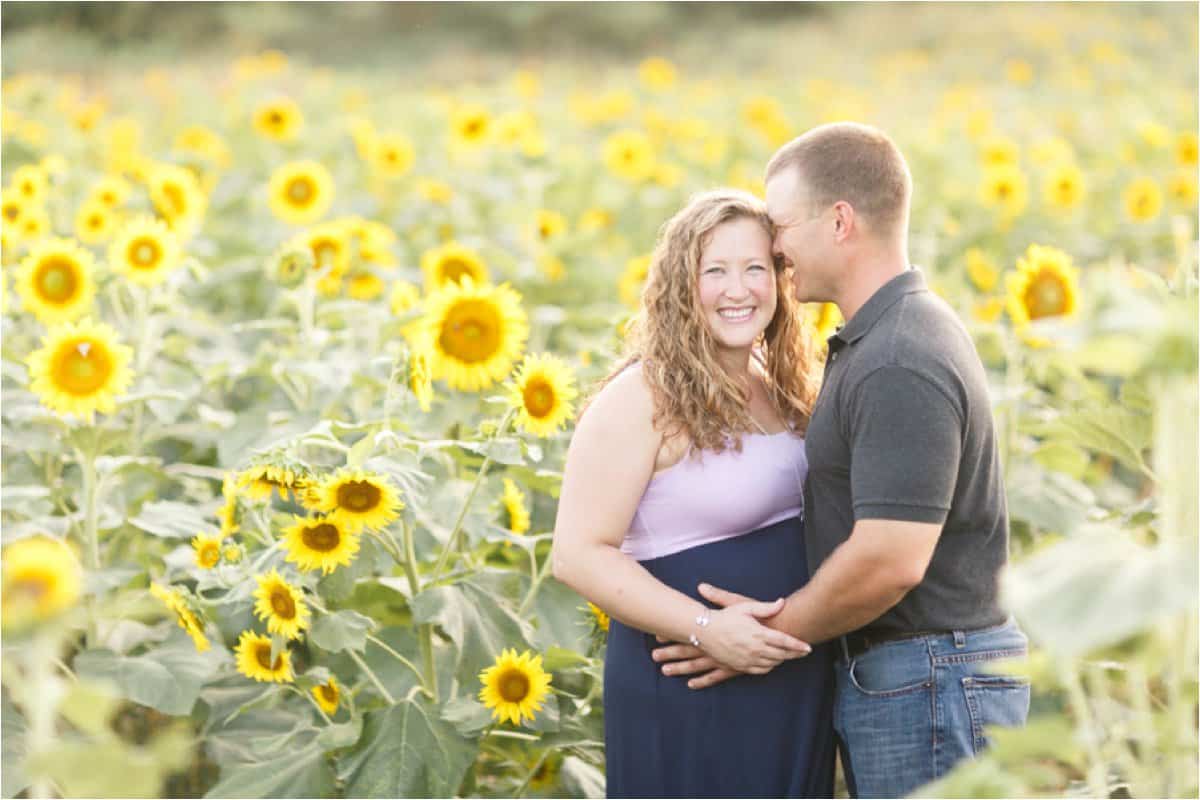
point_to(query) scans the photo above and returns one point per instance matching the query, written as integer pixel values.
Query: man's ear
(843, 220)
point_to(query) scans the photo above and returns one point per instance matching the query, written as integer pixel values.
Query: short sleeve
(905, 442)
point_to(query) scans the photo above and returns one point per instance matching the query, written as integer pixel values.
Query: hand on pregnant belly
(737, 639)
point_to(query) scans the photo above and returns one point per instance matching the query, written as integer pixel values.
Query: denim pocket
(892, 669)
(995, 700)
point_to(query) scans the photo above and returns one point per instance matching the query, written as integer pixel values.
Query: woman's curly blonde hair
(692, 393)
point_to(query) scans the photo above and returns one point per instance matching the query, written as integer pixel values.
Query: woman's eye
(757, 266)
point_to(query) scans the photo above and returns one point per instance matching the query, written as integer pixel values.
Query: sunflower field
(293, 345)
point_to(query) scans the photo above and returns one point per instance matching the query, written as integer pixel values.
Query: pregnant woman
(687, 466)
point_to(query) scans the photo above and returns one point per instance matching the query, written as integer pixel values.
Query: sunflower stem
(537, 584)
(373, 677)
(520, 792)
(413, 667)
(142, 305)
(452, 539)
(87, 461)
(308, 696)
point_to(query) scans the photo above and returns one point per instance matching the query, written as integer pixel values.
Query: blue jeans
(906, 711)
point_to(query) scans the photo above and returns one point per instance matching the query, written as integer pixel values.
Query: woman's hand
(736, 639)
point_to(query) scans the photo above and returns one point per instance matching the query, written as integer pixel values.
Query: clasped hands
(735, 641)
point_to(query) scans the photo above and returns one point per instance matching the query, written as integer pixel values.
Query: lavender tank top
(723, 495)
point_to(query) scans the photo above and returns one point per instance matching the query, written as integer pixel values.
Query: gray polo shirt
(902, 429)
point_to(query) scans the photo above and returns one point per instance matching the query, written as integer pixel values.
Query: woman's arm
(609, 463)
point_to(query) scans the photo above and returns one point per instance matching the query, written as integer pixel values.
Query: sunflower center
(539, 397)
(471, 332)
(12, 211)
(514, 686)
(358, 496)
(81, 368)
(262, 653)
(453, 269)
(282, 604)
(323, 537)
(325, 252)
(144, 253)
(275, 118)
(300, 191)
(210, 555)
(1003, 190)
(57, 280)
(1045, 296)
(329, 693)
(474, 127)
(30, 587)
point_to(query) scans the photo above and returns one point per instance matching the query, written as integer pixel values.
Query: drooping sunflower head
(516, 510)
(628, 154)
(254, 659)
(470, 126)
(1046, 284)
(260, 480)
(278, 119)
(542, 391)
(41, 578)
(56, 282)
(420, 373)
(280, 605)
(300, 192)
(80, 369)
(323, 543)
(450, 263)
(328, 695)
(208, 550)
(599, 618)
(360, 498)
(477, 332)
(514, 686)
(184, 615)
(145, 251)
(1143, 199)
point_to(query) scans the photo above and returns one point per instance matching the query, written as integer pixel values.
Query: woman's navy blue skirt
(751, 736)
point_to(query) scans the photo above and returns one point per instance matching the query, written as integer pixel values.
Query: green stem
(452, 539)
(308, 696)
(373, 677)
(426, 630)
(412, 667)
(1078, 701)
(537, 584)
(87, 461)
(520, 792)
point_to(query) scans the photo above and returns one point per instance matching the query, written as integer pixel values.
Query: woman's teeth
(741, 315)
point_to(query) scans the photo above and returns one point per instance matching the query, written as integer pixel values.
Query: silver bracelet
(702, 621)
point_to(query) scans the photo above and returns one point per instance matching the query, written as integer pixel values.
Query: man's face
(800, 237)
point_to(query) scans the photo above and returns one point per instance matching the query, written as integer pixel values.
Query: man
(905, 517)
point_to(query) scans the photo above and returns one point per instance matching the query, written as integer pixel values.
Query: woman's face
(737, 282)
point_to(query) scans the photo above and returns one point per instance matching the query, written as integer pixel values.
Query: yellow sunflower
(361, 499)
(1046, 284)
(552, 267)
(827, 317)
(177, 197)
(254, 659)
(12, 207)
(330, 247)
(630, 284)
(364, 285)
(657, 74)
(477, 332)
(279, 119)
(1064, 187)
(516, 510)
(1187, 149)
(596, 219)
(208, 551)
(542, 391)
(514, 127)
(1143, 199)
(145, 251)
(601, 619)
(515, 686)
(999, 151)
(404, 296)
(320, 543)
(55, 282)
(470, 125)
(629, 154)
(450, 263)
(435, 191)
(41, 579)
(31, 182)
(204, 142)
(1182, 188)
(393, 155)
(280, 605)
(548, 225)
(1005, 188)
(420, 374)
(300, 192)
(327, 695)
(174, 600)
(981, 271)
(34, 224)
(232, 553)
(111, 191)
(259, 480)
(94, 223)
(80, 369)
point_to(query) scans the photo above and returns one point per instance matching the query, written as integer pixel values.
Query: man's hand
(684, 659)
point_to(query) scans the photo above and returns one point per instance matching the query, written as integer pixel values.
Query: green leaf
(341, 630)
(299, 773)
(167, 678)
(1049, 501)
(406, 750)
(1062, 457)
(581, 779)
(467, 715)
(478, 622)
(172, 520)
(112, 768)
(334, 737)
(559, 621)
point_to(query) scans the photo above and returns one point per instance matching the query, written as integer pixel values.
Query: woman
(687, 466)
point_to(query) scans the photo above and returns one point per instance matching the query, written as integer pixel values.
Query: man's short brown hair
(852, 162)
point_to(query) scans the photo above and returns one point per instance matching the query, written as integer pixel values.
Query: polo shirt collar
(907, 282)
